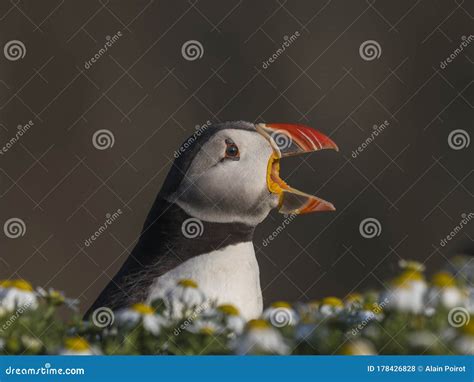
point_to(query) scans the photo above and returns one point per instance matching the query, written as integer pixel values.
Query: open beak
(288, 140)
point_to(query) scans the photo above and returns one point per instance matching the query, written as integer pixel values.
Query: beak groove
(290, 140)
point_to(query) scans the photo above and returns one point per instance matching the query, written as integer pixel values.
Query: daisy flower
(184, 299)
(281, 314)
(141, 313)
(56, 297)
(465, 343)
(260, 337)
(444, 291)
(17, 294)
(407, 292)
(358, 347)
(223, 318)
(331, 306)
(78, 346)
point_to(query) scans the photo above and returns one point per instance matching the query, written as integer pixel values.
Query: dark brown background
(151, 98)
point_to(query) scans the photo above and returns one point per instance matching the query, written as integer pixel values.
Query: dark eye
(231, 150)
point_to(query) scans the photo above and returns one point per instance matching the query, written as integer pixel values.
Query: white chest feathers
(228, 276)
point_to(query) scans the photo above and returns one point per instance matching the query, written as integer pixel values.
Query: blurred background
(95, 97)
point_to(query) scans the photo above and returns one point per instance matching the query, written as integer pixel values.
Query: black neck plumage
(169, 237)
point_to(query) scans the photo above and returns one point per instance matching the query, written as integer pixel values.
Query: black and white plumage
(227, 182)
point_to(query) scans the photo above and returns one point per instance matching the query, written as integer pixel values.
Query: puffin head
(229, 172)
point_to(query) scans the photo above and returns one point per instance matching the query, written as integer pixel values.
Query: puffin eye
(231, 150)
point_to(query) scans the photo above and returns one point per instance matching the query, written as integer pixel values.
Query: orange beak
(288, 140)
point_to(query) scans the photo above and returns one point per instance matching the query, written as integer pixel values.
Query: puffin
(224, 182)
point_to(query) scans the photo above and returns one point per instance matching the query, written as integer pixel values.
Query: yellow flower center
(187, 283)
(207, 330)
(257, 324)
(281, 304)
(77, 344)
(332, 301)
(18, 284)
(443, 280)
(404, 279)
(143, 308)
(228, 309)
